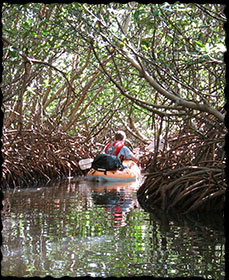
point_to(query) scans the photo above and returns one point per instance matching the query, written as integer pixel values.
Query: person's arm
(126, 152)
(134, 159)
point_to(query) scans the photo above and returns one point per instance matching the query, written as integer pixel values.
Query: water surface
(76, 228)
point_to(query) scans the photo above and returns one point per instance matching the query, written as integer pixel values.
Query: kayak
(131, 172)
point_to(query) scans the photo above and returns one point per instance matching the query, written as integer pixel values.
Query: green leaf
(136, 14)
(199, 44)
(13, 53)
(145, 47)
(26, 25)
(156, 12)
(25, 34)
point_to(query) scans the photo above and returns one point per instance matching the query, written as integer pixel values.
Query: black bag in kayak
(106, 162)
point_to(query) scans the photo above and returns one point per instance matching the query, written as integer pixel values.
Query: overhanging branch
(177, 99)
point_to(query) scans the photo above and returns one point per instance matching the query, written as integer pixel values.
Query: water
(76, 228)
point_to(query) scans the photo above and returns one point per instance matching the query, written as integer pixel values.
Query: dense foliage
(72, 65)
(154, 70)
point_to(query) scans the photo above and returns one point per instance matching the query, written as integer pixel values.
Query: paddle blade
(85, 163)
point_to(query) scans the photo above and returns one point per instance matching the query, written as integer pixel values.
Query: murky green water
(74, 228)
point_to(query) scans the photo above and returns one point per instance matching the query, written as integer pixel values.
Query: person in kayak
(118, 148)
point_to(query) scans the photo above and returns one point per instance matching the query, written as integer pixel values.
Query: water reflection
(76, 228)
(116, 198)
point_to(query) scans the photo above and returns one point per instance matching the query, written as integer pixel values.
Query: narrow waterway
(76, 228)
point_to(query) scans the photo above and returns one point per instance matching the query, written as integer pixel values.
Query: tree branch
(178, 100)
(35, 61)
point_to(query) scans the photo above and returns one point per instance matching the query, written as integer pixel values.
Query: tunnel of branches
(63, 98)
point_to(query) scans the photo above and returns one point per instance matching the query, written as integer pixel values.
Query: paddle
(85, 163)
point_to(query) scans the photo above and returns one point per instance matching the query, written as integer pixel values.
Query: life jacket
(117, 146)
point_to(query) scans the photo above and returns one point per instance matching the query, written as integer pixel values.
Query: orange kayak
(130, 173)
